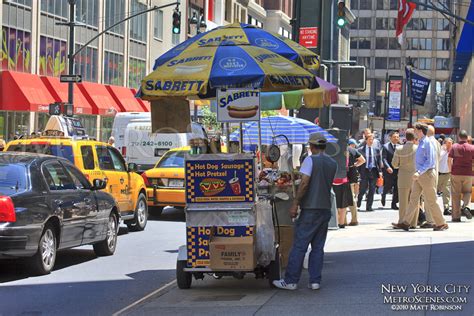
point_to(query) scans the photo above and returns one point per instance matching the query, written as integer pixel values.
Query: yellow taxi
(165, 182)
(97, 160)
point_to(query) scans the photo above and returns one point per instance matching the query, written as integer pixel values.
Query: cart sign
(395, 98)
(237, 105)
(219, 180)
(309, 37)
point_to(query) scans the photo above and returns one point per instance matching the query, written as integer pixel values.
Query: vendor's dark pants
(310, 228)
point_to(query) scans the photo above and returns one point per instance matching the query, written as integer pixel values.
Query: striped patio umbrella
(295, 129)
(200, 71)
(246, 34)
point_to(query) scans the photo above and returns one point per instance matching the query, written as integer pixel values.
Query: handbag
(380, 181)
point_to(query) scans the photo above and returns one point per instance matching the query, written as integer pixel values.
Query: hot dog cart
(225, 228)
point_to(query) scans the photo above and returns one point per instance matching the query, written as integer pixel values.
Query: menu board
(219, 180)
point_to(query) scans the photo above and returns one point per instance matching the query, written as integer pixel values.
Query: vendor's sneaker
(467, 212)
(281, 284)
(314, 286)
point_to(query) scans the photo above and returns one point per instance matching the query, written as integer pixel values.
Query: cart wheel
(183, 278)
(274, 272)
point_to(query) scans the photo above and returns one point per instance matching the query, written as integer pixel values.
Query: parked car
(47, 204)
(97, 160)
(165, 182)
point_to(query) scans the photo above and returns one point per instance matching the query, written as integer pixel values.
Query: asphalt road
(85, 284)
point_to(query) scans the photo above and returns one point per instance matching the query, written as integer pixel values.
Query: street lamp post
(72, 24)
(410, 65)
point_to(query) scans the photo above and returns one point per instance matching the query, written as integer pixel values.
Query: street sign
(70, 78)
(309, 37)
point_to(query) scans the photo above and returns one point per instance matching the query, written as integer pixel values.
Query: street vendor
(314, 197)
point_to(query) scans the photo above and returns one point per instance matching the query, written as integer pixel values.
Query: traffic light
(341, 14)
(176, 22)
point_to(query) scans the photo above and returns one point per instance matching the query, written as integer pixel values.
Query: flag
(418, 88)
(405, 10)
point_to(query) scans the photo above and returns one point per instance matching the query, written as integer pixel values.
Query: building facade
(34, 43)
(428, 41)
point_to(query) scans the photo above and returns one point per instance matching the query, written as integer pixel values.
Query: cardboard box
(286, 242)
(232, 253)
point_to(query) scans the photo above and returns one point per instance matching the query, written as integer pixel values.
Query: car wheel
(155, 210)
(107, 246)
(141, 215)
(274, 272)
(43, 261)
(183, 278)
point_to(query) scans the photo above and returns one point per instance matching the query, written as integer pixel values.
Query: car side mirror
(132, 167)
(98, 184)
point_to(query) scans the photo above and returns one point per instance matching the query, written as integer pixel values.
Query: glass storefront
(90, 124)
(14, 124)
(106, 128)
(41, 120)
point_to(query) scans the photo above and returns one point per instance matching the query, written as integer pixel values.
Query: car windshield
(172, 159)
(45, 148)
(12, 179)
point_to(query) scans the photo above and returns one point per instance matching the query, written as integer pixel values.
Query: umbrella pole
(260, 145)
(241, 140)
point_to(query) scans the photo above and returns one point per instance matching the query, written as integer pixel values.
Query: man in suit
(369, 171)
(404, 162)
(424, 182)
(389, 173)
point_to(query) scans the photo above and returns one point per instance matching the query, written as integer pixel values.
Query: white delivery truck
(121, 121)
(144, 148)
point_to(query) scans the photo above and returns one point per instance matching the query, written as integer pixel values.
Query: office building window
(443, 24)
(385, 23)
(442, 64)
(386, 4)
(26, 3)
(354, 4)
(158, 25)
(365, 23)
(394, 62)
(137, 71)
(424, 44)
(414, 24)
(393, 43)
(380, 62)
(87, 11)
(365, 4)
(113, 68)
(53, 57)
(115, 12)
(381, 43)
(363, 61)
(354, 42)
(442, 44)
(138, 29)
(425, 24)
(56, 7)
(16, 50)
(424, 63)
(85, 63)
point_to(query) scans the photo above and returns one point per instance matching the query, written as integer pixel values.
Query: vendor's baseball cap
(317, 139)
(352, 141)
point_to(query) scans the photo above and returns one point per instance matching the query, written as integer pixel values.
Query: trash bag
(265, 234)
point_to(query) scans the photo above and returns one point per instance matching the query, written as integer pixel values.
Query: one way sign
(71, 78)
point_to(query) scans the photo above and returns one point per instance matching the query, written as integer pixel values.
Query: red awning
(125, 98)
(59, 91)
(24, 92)
(100, 99)
(144, 104)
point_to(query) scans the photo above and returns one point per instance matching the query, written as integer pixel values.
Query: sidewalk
(360, 263)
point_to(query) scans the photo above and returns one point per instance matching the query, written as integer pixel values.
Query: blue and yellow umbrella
(246, 34)
(199, 71)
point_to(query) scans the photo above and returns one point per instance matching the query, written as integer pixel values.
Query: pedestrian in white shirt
(444, 183)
